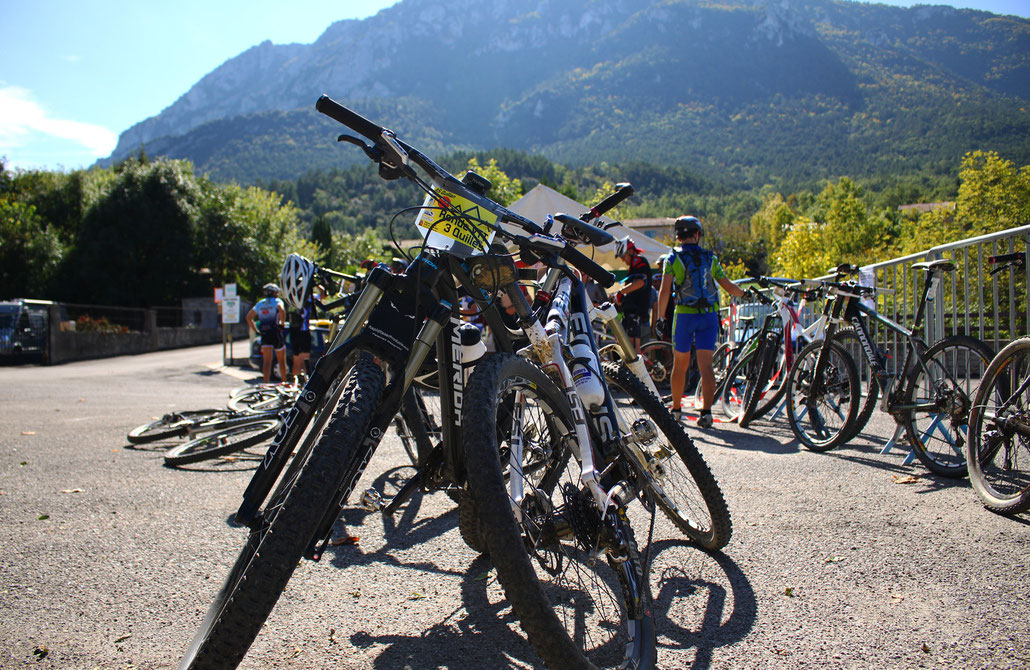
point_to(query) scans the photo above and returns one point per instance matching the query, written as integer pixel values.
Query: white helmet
(624, 245)
(296, 280)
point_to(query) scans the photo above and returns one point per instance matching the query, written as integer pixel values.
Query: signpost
(229, 304)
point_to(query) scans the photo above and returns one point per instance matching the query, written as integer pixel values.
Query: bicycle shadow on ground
(410, 527)
(483, 632)
(770, 438)
(701, 601)
(867, 450)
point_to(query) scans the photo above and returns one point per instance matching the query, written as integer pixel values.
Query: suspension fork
(311, 396)
(634, 362)
(546, 348)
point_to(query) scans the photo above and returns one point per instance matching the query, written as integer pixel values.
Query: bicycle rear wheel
(574, 577)
(998, 450)
(731, 399)
(821, 411)
(943, 392)
(229, 440)
(672, 469)
(282, 535)
(417, 423)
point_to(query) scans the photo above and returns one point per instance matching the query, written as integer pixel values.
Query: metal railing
(970, 300)
(993, 308)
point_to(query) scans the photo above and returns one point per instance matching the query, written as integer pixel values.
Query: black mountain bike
(568, 531)
(929, 395)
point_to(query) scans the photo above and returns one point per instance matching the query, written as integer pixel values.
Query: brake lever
(374, 153)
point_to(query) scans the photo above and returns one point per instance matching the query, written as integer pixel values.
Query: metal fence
(970, 300)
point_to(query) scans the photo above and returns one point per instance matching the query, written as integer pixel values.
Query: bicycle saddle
(942, 264)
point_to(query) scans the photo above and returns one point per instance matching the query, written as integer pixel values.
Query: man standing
(694, 272)
(635, 294)
(270, 315)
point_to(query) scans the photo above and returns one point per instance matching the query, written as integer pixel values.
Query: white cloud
(21, 116)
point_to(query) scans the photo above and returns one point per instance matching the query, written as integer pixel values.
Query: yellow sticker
(472, 229)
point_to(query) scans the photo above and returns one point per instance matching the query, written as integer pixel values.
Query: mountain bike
(760, 381)
(998, 450)
(929, 396)
(670, 471)
(356, 389)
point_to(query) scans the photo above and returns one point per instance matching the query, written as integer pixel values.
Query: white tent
(542, 200)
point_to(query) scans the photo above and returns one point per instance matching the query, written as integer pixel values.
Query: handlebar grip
(1007, 258)
(589, 267)
(597, 211)
(352, 120)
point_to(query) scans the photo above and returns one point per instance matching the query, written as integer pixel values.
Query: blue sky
(76, 73)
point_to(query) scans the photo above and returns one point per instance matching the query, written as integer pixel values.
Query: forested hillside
(750, 92)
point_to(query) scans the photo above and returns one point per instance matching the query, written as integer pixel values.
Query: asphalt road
(848, 559)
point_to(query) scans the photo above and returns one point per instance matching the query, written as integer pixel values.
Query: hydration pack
(697, 290)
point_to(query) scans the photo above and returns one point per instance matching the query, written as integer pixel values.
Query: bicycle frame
(848, 308)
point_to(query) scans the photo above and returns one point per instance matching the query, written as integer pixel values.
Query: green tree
(505, 190)
(135, 246)
(803, 252)
(322, 234)
(245, 234)
(773, 221)
(993, 194)
(29, 251)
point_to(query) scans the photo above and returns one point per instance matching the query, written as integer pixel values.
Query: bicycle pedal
(372, 501)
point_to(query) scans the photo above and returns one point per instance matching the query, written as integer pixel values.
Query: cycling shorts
(700, 330)
(272, 337)
(300, 341)
(635, 324)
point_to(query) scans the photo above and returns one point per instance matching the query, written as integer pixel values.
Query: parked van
(23, 326)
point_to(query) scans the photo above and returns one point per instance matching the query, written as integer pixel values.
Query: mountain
(757, 90)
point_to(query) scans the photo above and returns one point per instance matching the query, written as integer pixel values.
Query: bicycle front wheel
(417, 423)
(939, 396)
(821, 409)
(281, 536)
(673, 471)
(175, 424)
(573, 576)
(998, 450)
(760, 385)
(869, 387)
(220, 443)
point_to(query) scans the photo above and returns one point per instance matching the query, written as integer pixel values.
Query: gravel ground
(848, 559)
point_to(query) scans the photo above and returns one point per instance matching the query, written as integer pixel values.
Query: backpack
(697, 290)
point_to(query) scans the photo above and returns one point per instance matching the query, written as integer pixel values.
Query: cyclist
(694, 272)
(634, 295)
(268, 317)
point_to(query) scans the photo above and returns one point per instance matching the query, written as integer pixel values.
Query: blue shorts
(700, 330)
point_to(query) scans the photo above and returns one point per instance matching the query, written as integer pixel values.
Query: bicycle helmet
(689, 224)
(296, 278)
(624, 246)
(270, 289)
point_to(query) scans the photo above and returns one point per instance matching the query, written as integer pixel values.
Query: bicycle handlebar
(622, 191)
(1017, 258)
(397, 154)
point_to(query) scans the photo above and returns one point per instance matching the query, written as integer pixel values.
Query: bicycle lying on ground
(998, 450)
(212, 432)
(929, 395)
